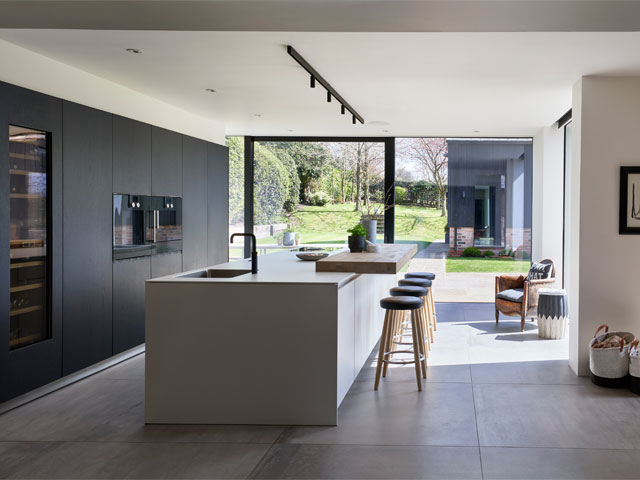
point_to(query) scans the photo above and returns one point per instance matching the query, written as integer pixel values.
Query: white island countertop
(281, 267)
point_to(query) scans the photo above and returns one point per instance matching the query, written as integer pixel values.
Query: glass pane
(236, 194)
(308, 194)
(466, 202)
(28, 160)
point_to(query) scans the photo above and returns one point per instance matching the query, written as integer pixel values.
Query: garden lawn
(493, 265)
(329, 224)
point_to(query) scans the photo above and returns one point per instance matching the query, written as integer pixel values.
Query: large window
(467, 203)
(311, 193)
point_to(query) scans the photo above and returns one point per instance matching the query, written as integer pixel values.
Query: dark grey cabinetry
(24, 369)
(131, 156)
(218, 201)
(128, 302)
(166, 264)
(87, 284)
(166, 162)
(194, 202)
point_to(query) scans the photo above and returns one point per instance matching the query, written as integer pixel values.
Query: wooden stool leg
(433, 309)
(383, 339)
(425, 330)
(392, 331)
(415, 328)
(427, 307)
(422, 342)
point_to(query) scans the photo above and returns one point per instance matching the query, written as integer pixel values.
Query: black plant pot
(356, 244)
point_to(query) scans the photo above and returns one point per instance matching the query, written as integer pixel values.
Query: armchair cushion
(511, 295)
(540, 271)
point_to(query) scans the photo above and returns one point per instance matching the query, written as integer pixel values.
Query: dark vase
(356, 244)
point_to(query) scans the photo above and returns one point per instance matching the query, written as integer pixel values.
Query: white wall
(605, 266)
(548, 192)
(30, 70)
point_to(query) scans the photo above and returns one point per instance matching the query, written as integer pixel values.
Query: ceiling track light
(331, 92)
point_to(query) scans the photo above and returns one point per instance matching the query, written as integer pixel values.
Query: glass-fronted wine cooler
(29, 311)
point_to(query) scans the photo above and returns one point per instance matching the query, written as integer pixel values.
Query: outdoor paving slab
(369, 462)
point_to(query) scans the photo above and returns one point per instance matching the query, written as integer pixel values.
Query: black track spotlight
(353, 119)
(314, 76)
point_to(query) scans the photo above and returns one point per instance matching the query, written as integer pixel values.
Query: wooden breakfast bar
(280, 347)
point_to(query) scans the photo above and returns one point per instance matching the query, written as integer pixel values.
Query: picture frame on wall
(629, 200)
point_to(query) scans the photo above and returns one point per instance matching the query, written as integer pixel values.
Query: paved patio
(467, 287)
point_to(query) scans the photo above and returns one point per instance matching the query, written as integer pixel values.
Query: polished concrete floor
(498, 404)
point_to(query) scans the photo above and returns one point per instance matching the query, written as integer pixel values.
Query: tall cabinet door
(30, 240)
(166, 162)
(218, 201)
(131, 156)
(194, 203)
(87, 224)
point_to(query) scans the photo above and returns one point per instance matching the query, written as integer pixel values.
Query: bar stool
(413, 291)
(426, 284)
(393, 306)
(432, 277)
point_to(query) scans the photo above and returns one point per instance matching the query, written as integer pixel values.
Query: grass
(329, 224)
(492, 265)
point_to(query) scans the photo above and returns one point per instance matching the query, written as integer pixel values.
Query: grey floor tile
(406, 373)
(559, 463)
(112, 410)
(103, 460)
(542, 372)
(397, 414)
(563, 416)
(132, 369)
(369, 462)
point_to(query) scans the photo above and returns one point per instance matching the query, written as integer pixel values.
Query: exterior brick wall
(463, 239)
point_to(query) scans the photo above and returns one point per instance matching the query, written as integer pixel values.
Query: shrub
(401, 194)
(488, 253)
(503, 253)
(358, 231)
(319, 198)
(471, 252)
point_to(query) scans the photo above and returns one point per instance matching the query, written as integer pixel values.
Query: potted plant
(356, 238)
(289, 237)
(279, 238)
(298, 239)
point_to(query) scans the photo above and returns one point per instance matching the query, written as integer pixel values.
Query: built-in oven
(146, 225)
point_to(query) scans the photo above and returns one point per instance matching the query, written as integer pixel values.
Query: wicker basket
(610, 366)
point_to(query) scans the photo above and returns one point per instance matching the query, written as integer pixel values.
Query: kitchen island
(283, 346)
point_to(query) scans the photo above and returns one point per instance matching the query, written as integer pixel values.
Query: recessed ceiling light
(134, 50)
(210, 90)
(476, 131)
(257, 115)
(289, 130)
(385, 131)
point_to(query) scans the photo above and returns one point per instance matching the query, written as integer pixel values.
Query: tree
(431, 153)
(366, 162)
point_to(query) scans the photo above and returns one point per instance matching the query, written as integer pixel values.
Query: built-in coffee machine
(146, 225)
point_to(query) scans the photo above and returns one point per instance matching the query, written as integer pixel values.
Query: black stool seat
(427, 275)
(417, 282)
(408, 291)
(401, 303)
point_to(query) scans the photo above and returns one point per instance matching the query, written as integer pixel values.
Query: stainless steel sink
(226, 273)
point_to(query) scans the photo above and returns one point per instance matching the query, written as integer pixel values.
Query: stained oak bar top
(391, 259)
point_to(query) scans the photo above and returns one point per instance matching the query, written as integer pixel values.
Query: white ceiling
(441, 84)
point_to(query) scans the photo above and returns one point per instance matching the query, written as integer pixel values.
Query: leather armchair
(518, 297)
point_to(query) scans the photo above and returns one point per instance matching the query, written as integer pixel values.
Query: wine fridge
(29, 160)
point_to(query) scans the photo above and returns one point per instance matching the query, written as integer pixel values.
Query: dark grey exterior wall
(483, 162)
(97, 154)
